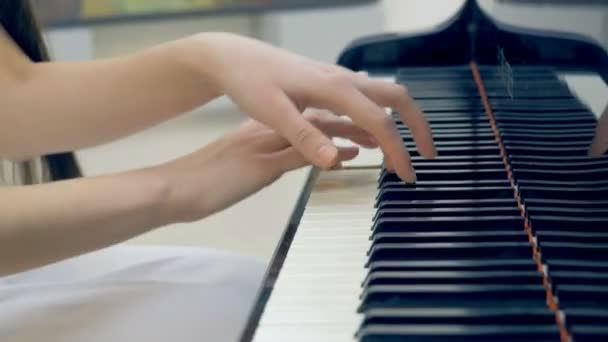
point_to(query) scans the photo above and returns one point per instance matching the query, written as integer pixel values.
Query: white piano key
(307, 333)
(317, 291)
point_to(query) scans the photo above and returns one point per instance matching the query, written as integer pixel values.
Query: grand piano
(505, 235)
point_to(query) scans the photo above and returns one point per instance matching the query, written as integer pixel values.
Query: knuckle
(383, 123)
(304, 134)
(339, 80)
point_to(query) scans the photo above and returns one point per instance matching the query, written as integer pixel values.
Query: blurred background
(88, 29)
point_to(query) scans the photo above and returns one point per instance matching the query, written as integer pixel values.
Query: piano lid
(473, 35)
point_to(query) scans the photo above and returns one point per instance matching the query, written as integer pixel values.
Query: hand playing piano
(245, 161)
(274, 86)
(600, 141)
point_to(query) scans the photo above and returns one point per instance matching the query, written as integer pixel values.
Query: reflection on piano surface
(503, 237)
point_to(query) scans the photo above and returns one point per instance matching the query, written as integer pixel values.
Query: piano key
(567, 223)
(451, 251)
(562, 151)
(456, 265)
(578, 166)
(444, 193)
(452, 174)
(474, 296)
(569, 211)
(589, 333)
(545, 120)
(563, 193)
(559, 278)
(477, 316)
(452, 278)
(572, 236)
(576, 265)
(574, 250)
(451, 237)
(449, 203)
(439, 166)
(447, 332)
(576, 316)
(564, 179)
(441, 211)
(426, 184)
(582, 296)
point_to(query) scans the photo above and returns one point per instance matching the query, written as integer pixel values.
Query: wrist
(201, 55)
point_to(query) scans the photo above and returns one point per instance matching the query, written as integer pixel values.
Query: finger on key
(348, 100)
(600, 140)
(395, 96)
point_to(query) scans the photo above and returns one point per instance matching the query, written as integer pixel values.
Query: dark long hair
(18, 20)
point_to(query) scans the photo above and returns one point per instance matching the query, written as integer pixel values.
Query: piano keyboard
(501, 239)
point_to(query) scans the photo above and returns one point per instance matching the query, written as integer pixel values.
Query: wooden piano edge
(278, 258)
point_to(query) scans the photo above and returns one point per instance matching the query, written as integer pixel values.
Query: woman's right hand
(274, 86)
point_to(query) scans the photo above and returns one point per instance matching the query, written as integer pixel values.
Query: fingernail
(327, 155)
(412, 177)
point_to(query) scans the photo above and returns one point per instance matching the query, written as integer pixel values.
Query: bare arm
(55, 107)
(41, 224)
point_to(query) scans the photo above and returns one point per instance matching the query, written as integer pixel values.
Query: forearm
(65, 106)
(41, 224)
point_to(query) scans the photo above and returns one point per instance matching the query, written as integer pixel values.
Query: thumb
(315, 147)
(600, 140)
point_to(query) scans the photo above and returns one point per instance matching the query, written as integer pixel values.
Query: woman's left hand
(245, 161)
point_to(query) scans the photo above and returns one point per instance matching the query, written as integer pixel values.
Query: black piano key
(477, 316)
(572, 236)
(427, 184)
(574, 251)
(527, 264)
(534, 105)
(452, 278)
(487, 144)
(451, 237)
(567, 179)
(548, 158)
(471, 158)
(453, 332)
(439, 211)
(453, 223)
(579, 177)
(578, 166)
(582, 296)
(532, 143)
(568, 223)
(456, 203)
(453, 174)
(535, 127)
(559, 278)
(576, 265)
(565, 203)
(503, 114)
(569, 211)
(468, 296)
(548, 120)
(464, 150)
(564, 151)
(576, 316)
(589, 333)
(420, 193)
(565, 193)
(472, 136)
(451, 251)
(438, 165)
